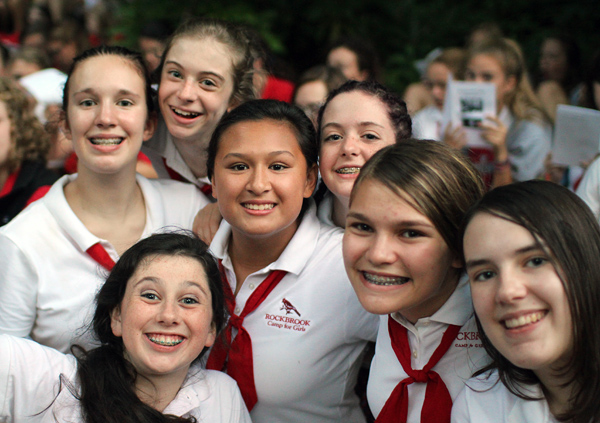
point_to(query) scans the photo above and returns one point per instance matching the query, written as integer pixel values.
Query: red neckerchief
(236, 357)
(438, 404)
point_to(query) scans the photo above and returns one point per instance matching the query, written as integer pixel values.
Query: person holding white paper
(521, 132)
(427, 123)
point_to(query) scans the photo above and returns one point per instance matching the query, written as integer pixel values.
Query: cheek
(352, 248)
(327, 157)
(483, 303)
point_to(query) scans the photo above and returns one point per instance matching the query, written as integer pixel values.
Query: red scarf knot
(438, 403)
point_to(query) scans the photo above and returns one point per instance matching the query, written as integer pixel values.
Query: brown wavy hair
(29, 139)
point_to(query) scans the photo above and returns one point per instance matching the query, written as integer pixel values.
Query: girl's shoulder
(486, 399)
(211, 395)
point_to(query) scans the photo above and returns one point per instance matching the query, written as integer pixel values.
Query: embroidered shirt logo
(467, 339)
(286, 321)
(289, 307)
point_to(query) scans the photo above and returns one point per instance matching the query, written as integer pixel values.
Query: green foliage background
(401, 31)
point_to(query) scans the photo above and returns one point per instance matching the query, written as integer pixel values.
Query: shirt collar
(68, 221)
(457, 309)
(175, 161)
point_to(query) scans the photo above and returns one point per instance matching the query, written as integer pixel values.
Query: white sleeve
(234, 404)
(18, 290)
(528, 145)
(589, 188)
(29, 377)
(460, 409)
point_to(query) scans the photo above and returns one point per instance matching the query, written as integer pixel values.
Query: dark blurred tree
(401, 31)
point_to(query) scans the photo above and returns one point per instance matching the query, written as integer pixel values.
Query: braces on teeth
(384, 280)
(166, 343)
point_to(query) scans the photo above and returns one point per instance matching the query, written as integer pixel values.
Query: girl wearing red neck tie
(402, 255)
(53, 255)
(296, 332)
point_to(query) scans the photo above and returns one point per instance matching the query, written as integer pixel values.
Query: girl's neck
(111, 206)
(556, 389)
(194, 154)
(250, 254)
(340, 211)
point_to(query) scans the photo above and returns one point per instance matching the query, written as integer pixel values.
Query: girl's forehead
(104, 71)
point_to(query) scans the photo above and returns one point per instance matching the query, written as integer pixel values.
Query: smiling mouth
(348, 170)
(385, 280)
(166, 340)
(524, 320)
(107, 141)
(258, 206)
(184, 114)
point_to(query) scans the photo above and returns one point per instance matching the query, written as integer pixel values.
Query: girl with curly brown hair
(23, 148)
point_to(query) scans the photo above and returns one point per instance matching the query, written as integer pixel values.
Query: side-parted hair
(435, 179)
(395, 106)
(522, 101)
(27, 135)
(106, 377)
(230, 35)
(134, 58)
(565, 228)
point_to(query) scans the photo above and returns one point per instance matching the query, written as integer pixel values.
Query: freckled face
(196, 86)
(165, 317)
(355, 126)
(394, 256)
(517, 294)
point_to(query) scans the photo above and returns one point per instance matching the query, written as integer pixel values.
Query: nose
(381, 251)
(106, 115)
(187, 91)
(511, 287)
(259, 181)
(168, 313)
(349, 146)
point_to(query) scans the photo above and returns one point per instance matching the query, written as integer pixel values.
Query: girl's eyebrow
(479, 262)
(272, 153)
(121, 92)
(216, 75)
(367, 123)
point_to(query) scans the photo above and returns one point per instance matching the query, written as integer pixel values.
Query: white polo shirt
(427, 124)
(325, 209)
(161, 149)
(47, 280)
(308, 335)
(589, 188)
(465, 355)
(486, 400)
(29, 382)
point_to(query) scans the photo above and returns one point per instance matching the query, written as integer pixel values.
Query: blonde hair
(522, 101)
(27, 135)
